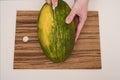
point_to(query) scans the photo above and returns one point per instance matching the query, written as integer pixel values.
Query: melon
(55, 36)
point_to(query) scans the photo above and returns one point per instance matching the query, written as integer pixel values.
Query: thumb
(70, 16)
(79, 28)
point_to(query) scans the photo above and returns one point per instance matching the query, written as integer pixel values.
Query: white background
(109, 21)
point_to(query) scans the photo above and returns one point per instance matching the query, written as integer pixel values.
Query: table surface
(109, 21)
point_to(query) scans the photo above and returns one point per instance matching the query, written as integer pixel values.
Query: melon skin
(55, 36)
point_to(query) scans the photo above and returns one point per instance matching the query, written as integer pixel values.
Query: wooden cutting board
(29, 55)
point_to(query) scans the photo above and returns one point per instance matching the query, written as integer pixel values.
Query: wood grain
(85, 55)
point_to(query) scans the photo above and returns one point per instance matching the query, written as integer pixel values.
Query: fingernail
(67, 20)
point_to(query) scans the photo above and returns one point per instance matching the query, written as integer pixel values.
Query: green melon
(55, 36)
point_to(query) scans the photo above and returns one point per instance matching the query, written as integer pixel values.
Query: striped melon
(55, 36)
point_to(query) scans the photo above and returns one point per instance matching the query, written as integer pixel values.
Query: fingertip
(70, 17)
(67, 20)
(76, 39)
(55, 3)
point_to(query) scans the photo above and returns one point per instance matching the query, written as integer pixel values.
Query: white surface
(109, 20)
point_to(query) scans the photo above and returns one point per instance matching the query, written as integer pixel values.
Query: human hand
(53, 2)
(80, 9)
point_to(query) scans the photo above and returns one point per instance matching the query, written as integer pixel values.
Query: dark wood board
(85, 55)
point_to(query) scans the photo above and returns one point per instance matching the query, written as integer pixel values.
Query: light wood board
(85, 55)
